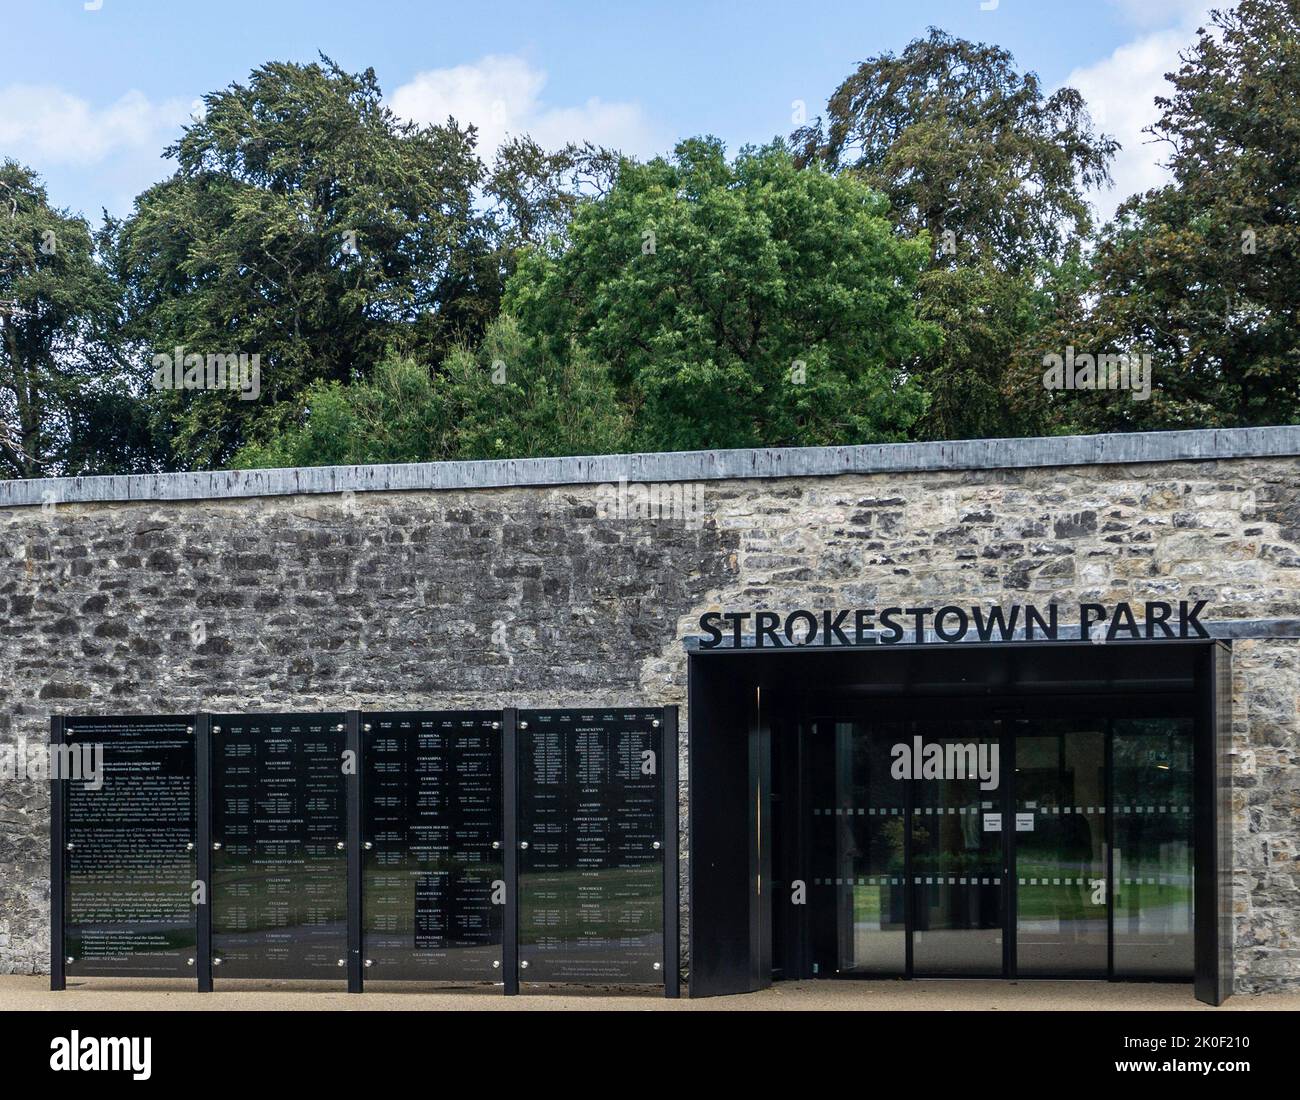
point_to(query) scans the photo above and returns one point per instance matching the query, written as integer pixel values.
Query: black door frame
(729, 719)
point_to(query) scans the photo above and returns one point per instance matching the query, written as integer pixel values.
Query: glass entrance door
(1059, 830)
(906, 848)
(957, 849)
(1152, 861)
(858, 850)
(988, 848)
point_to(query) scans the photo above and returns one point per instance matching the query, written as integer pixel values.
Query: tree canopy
(899, 268)
(963, 143)
(973, 155)
(504, 398)
(1203, 274)
(63, 400)
(736, 303)
(309, 225)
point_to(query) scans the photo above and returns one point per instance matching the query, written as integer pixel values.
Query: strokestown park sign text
(894, 625)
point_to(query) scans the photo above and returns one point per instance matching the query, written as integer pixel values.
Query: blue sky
(89, 98)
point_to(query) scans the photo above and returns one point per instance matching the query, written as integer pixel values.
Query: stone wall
(537, 597)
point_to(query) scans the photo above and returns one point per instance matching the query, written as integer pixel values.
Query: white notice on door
(993, 823)
(1024, 823)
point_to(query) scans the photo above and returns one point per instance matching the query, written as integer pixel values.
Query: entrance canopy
(766, 727)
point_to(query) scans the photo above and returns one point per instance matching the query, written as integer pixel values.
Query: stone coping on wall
(966, 454)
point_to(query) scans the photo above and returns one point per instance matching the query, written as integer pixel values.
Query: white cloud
(1120, 91)
(502, 96)
(45, 126)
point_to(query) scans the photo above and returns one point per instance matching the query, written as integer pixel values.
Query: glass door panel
(858, 814)
(1059, 830)
(957, 849)
(1153, 848)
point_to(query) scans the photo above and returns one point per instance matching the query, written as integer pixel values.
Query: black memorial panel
(591, 870)
(129, 832)
(433, 884)
(279, 862)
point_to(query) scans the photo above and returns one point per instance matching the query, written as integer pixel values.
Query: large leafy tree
(307, 224)
(961, 141)
(975, 157)
(735, 303)
(1204, 274)
(65, 405)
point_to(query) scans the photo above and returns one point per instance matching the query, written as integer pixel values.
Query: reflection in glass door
(857, 830)
(1060, 847)
(957, 850)
(1153, 848)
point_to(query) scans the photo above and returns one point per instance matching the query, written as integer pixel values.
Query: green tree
(65, 405)
(972, 154)
(1202, 274)
(987, 317)
(964, 144)
(504, 399)
(536, 192)
(735, 304)
(305, 223)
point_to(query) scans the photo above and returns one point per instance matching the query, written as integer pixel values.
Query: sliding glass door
(1059, 833)
(1000, 847)
(859, 812)
(1152, 866)
(957, 850)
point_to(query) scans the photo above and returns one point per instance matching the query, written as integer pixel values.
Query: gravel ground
(32, 993)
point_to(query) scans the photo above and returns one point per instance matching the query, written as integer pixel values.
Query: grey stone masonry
(483, 585)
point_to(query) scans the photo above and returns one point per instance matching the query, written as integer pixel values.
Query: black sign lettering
(951, 623)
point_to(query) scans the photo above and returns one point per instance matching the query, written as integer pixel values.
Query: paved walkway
(32, 993)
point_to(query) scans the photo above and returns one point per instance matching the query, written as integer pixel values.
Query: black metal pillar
(58, 859)
(510, 844)
(1212, 829)
(672, 904)
(203, 848)
(352, 774)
